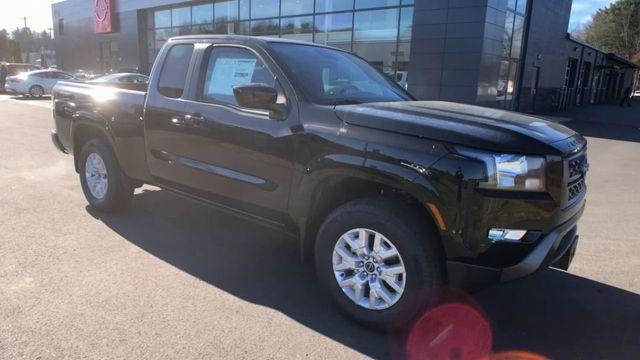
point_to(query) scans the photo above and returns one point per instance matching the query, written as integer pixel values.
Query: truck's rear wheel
(102, 180)
(380, 262)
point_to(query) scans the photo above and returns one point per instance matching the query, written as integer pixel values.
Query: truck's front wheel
(380, 262)
(102, 180)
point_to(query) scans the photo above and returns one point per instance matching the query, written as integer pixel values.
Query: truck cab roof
(243, 39)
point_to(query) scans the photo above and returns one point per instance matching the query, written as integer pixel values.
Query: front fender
(405, 168)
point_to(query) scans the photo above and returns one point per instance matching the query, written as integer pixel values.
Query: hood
(467, 125)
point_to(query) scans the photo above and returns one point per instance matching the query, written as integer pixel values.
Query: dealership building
(510, 54)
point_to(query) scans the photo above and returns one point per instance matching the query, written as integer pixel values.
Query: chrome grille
(576, 188)
(577, 167)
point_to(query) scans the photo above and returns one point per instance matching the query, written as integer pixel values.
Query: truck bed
(118, 111)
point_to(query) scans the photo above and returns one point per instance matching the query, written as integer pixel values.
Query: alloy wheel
(37, 91)
(96, 175)
(369, 269)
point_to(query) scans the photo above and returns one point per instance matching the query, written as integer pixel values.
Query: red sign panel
(103, 16)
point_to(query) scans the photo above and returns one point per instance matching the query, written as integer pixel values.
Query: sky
(582, 10)
(38, 12)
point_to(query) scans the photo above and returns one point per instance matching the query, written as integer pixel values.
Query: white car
(35, 83)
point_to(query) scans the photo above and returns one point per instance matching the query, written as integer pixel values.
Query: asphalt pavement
(173, 279)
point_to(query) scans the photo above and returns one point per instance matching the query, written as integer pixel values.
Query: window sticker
(230, 72)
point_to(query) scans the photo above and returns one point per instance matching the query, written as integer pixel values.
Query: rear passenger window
(174, 71)
(228, 67)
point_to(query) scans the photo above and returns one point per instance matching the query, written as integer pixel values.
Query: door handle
(189, 121)
(195, 120)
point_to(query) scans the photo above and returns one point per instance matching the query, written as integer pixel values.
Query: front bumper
(9, 90)
(555, 249)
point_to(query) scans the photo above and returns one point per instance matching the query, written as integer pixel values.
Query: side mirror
(259, 96)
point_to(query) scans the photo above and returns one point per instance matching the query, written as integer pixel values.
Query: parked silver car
(35, 83)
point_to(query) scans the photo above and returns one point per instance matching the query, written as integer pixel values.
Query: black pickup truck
(393, 198)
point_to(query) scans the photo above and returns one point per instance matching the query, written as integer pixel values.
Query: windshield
(333, 77)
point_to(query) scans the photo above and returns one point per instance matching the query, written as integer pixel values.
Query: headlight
(509, 171)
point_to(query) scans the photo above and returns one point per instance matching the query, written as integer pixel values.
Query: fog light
(496, 235)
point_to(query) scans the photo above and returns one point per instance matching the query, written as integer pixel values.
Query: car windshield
(334, 77)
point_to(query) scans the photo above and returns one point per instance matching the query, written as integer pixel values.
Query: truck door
(164, 111)
(234, 156)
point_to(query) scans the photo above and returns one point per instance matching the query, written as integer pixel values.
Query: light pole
(27, 60)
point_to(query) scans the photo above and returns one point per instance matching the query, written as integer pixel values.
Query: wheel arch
(84, 131)
(44, 90)
(330, 192)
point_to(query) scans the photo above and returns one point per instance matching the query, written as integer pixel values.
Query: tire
(36, 91)
(116, 195)
(419, 251)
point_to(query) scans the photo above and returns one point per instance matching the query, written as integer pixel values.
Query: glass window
(184, 30)
(296, 7)
(518, 32)
(244, 28)
(162, 18)
(114, 48)
(174, 71)
(406, 23)
(522, 6)
(225, 28)
(382, 55)
(244, 9)
(375, 25)
(365, 4)
(407, 2)
(105, 49)
(202, 14)
(333, 5)
(229, 67)
(511, 86)
(265, 9)
(203, 29)
(511, 4)
(375, 34)
(181, 16)
(508, 34)
(162, 35)
(269, 27)
(225, 10)
(402, 73)
(332, 77)
(404, 47)
(502, 81)
(298, 28)
(334, 30)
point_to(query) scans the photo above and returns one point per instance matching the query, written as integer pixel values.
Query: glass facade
(513, 38)
(377, 30)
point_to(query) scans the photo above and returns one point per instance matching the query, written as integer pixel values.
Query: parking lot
(173, 279)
